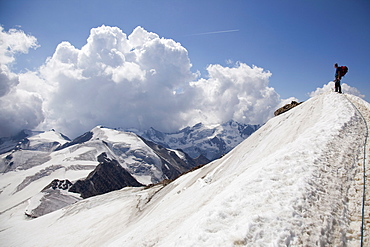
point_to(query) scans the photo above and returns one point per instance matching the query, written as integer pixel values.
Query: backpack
(344, 70)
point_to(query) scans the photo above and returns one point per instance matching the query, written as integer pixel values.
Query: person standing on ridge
(338, 76)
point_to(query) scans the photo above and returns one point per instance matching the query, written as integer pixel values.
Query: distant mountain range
(52, 171)
(210, 141)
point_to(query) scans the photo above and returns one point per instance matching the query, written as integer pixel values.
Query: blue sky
(297, 41)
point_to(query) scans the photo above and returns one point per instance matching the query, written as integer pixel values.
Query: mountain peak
(33, 140)
(211, 141)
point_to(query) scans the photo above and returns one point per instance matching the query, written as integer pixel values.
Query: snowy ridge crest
(296, 181)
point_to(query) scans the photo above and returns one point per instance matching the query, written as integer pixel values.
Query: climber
(340, 71)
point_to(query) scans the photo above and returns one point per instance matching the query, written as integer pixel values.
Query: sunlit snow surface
(297, 181)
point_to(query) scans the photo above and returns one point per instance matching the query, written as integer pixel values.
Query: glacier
(296, 181)
(210, 141)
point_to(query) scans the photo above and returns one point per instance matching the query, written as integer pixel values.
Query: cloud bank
(19, 109)
(139, 81)
(330, 86)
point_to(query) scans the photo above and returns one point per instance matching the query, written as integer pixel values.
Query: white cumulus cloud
(117, 81)
(139, 80)
(330, 86)
(19, 109)
(14, 41)
(240, 93)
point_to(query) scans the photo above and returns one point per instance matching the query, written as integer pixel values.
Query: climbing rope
(364, 175)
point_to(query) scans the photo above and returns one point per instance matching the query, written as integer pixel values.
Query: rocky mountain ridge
(210, 141)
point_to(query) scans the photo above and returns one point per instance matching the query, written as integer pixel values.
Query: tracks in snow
(360, 217)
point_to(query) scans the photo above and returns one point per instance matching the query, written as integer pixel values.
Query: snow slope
(294, 182)
(33, 140)
(40, 158)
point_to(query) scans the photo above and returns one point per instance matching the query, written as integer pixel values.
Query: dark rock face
(286, 108)
(59, 184)
(172, 165)
(109, 175)
(81, 139)
(51, 198)
(201, 160)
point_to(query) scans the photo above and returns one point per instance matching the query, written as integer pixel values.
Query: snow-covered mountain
(40, 160)
(33, 140)
(211, 141)
(297, 181)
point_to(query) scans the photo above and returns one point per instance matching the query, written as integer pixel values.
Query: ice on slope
(46, 141)
(293, 182)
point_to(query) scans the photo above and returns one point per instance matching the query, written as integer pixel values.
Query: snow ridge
(296, 181)
(362, 107)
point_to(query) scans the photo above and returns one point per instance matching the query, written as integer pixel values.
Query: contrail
(225, 31)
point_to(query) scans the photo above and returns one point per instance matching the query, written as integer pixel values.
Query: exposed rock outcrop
(286, 108)
(173, 165)
(109, 175)
(81, 139)
(53, 197)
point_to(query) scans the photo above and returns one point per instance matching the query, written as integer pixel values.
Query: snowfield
(297, 181)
